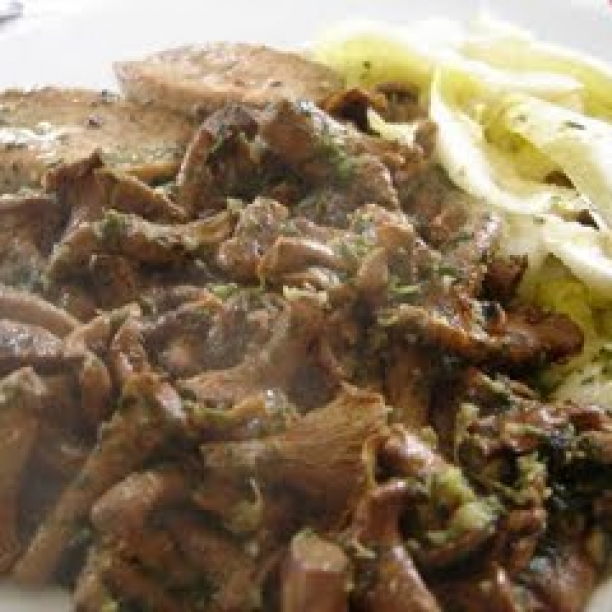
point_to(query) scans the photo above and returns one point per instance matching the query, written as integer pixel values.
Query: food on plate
(525, 127)
(297, 370)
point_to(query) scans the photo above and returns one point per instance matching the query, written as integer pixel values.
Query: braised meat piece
(206, 78)
(44, 127)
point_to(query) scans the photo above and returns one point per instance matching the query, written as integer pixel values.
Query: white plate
(77, 47)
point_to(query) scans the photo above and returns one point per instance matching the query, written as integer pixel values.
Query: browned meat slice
(43, 127)
(29, 225)
(316, 576)
(207, 77)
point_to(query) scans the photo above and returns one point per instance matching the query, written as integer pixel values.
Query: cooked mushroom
(126, 441)
(386, 577)
(316, 576)
(322, 448)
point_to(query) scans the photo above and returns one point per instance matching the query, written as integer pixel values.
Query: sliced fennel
(581, 146)
(474, 165)
(592, 382)
(367, 53)
(558, 290)
(511, 48)
(404, 133)
(585, 251)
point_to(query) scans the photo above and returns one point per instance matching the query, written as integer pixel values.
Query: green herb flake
(573, 125)
(223, 290)
(400, 290)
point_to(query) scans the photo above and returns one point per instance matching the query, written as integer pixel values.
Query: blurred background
(75, 41)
